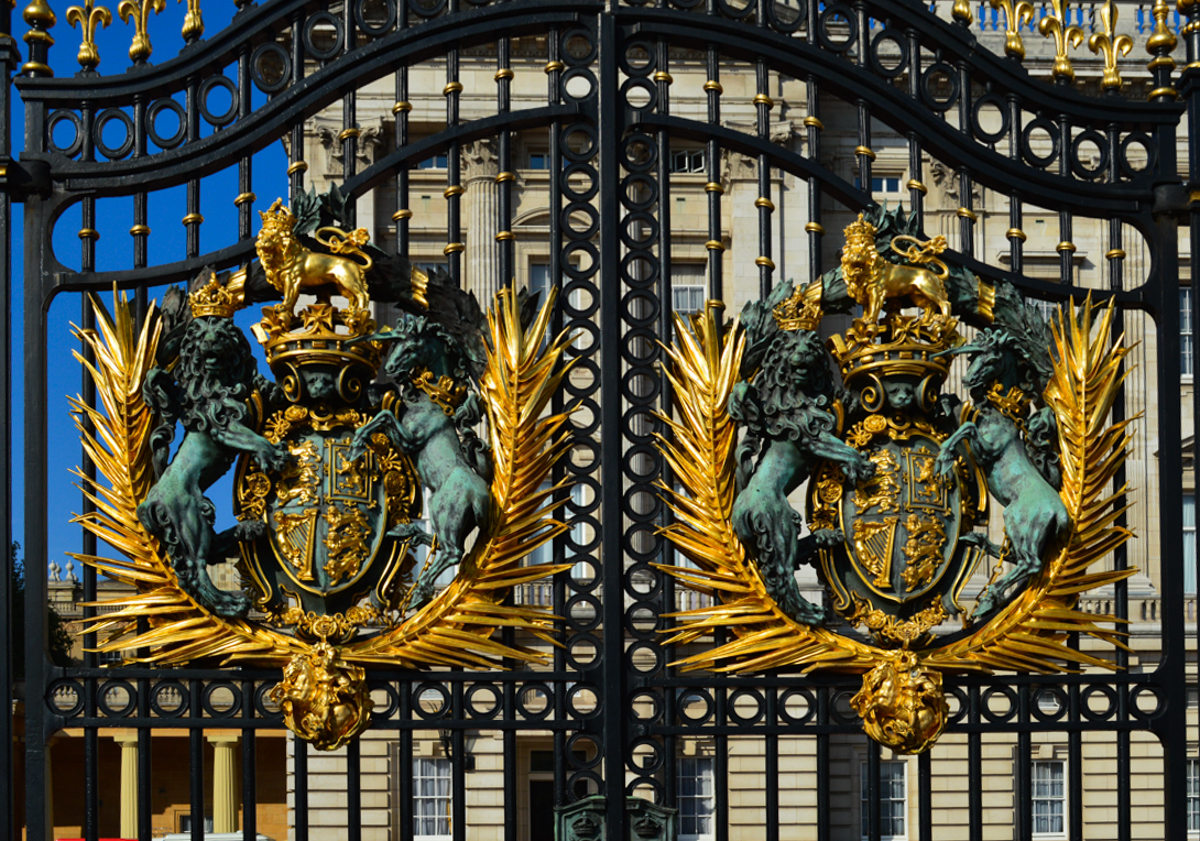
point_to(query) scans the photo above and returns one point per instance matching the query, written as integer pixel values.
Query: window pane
(1186, 348)
(1189, 544)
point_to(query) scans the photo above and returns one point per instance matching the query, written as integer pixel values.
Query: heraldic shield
(896, 471)
(336, 454)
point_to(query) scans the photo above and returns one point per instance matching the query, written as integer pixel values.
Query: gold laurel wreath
(1029, 635)
(453, 630)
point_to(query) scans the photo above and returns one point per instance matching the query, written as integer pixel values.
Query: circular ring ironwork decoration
(829, 13)
(206, 87)
(419, 702)
(262, 698)
(477, 708)
(1137, 692)
(584, 209)
(163, 687)
(737, 12)
(375, 31)
(649, 578)
(131, 698)
(329, 19)
(1077, 165)
(573, 748)
(650, 235)
(572, 76)
(985, 704)
(206, 699)
(1085, 702)
(1001, 106)
(641, 613)
(1060, 701)
(647, 649)
(649, 764)
(393, 701)
(647, 394)
(760, 705)
(633, 69)
(636, 182)
(894, 37)
(635, 143)
(156, 108)
(959, 695)
(629, 264)
(105, 117)
(585, 153)
(75, 708)
(527, 694)
(1040, 124)
(776, 21)
(574, 693)
(932, 72)
(571, 36)
(568, 266)
(1143, 140)
(642, 84)
(700, 694)
(573, 291)
(256, 70)
(810, 706)
(580, 623)
(586, 170)
(575, 660)
(76, 144)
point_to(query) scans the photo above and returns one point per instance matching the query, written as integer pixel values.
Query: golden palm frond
(702, 369)
(1031, 633)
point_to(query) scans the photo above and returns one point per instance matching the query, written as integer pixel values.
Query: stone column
(482, 201)
(129, 784)
(225, 783)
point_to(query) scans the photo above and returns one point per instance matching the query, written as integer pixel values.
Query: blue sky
(115, 251)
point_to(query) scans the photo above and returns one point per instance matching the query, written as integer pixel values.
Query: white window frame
(1186, 334)
(693, 162)
(691, 807)
(438, 764)
(885, 767)
(685, 285)
(884, 177)
(1050, 799)
(1189, 544)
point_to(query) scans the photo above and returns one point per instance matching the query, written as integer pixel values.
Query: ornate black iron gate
(612, 131)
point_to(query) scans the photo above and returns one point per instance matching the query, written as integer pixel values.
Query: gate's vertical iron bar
(925, 796)
(196, 758)
(772, 763)
(713, 188)
(505, 246)
(400, 110)
(1015, 233)
(405, 771)
(874, 812)
(145, 811)
(823, 823)
(348, 136)
(813, 227)
(721, 764)
(354, 786)
(458, 769)
(141, 227)
(966, 209)
(9, 57)
(297, 166)
(454, 189)
(300, 778)
(193, 219)
(763, 105)
(245, 198)
(249, 765)
(611, 474)
(863, 151)
(1066, 235)
(974, 768)
(1022, 773)
(916, 165)
(1074, 763)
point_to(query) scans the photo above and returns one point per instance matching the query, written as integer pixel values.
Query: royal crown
(277, 218)
(901, 346)
(860, 232)
(802, 311)
(213, 299)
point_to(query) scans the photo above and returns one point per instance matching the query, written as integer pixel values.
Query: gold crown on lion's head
(859, 231)
(213, 299)
(277, 217)
(802, 311)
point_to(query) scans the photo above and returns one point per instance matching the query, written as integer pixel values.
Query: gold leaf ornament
(901, 700)
(455, 629)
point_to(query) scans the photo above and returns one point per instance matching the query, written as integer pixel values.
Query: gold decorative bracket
(1111, 46)
(140, 50)
(1015, 16)
(1065, 36)
(88, 17)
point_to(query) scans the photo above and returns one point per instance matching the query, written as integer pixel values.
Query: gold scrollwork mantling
(453, 630)
(1030, 634)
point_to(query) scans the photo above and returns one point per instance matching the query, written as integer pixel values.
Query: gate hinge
(1175, 199)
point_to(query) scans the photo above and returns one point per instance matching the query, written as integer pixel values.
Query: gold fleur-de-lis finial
(1111, 45)
(89, 18)
(140, 13)
(1065, 37)
(193, 24)
(1015, 16)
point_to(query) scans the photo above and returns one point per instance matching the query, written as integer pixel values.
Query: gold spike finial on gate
(1111, 45)
(140, 50)
(1016, 15)
(1065, 36)
(88, 17)
(1160, 45)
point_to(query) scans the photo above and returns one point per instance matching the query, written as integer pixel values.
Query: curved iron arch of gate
(615, 712)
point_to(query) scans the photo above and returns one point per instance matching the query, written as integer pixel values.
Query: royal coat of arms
(898, 471)
(388, 479)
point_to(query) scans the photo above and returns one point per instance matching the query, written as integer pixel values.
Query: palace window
(893, 801)
(431, 799)
(436, 162)
(689, 289)
(1186, 347)
(881, 184)
(687, 160)
(1189, 544)
(696, 799)
(1193, 795)
(1049, 799)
